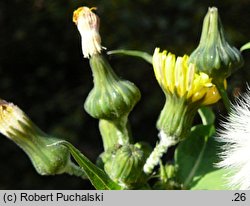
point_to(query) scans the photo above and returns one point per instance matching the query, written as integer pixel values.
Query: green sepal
(97, 176)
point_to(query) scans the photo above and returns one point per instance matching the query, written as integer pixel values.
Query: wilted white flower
(235, 153)
(88, 24)
(11, 119)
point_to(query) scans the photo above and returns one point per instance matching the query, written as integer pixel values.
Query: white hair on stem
(235, 154)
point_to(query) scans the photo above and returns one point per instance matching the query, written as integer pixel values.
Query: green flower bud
(126, 166)
(214, 55)
(111, 98)
(47, 160)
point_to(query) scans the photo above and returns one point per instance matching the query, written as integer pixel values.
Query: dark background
(43, 72)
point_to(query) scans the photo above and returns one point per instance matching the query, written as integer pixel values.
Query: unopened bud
(126, 165)
(214, 55)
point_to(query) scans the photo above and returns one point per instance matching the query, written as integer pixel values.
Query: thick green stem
(114, 132)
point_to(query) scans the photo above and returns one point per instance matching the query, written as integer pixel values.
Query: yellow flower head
(88, 24)
(177, 77)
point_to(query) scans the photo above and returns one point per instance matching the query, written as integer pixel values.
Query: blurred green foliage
(42, 69)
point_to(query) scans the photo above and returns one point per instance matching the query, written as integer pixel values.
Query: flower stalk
(159, 150)
(115, 132)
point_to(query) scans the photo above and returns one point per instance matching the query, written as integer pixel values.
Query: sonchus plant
(190, 85)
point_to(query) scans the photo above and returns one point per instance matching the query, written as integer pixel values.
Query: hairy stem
(161, 148)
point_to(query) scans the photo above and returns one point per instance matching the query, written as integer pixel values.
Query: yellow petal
(212, 96)
(176, 76)
(169, 72)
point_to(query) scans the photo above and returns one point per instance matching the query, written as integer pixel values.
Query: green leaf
(245, 46)
(144, 55)
(207, 115)
(214, 180)
(98, 177)
(195, 157)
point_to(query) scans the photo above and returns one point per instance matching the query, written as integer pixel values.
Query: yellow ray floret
(176, 76)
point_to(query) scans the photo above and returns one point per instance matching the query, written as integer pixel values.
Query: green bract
(214, 55)
(176, 118)
(111, 97)
(47, 157)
